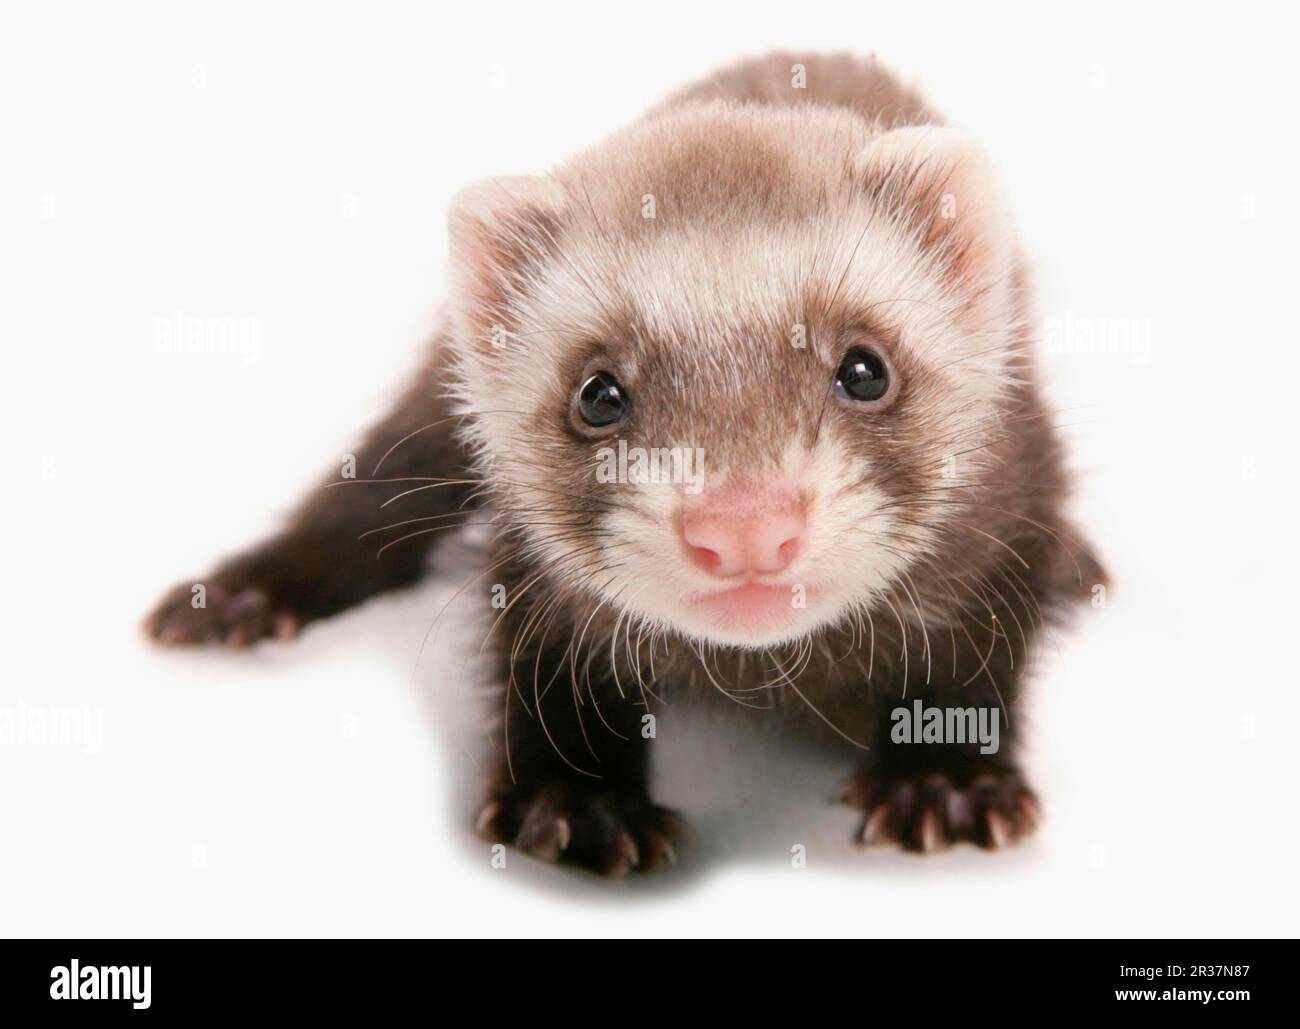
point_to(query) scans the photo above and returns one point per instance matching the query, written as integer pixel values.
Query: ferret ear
(500, 231)
(940, 184)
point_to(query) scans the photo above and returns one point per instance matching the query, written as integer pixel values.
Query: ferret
(746, 394)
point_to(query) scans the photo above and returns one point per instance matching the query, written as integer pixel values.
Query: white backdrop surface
(286, 169)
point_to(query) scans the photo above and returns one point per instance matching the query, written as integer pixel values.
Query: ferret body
(746, 395)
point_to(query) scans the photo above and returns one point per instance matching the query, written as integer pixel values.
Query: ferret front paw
(925, 812)
(216, 613)
(602, 830)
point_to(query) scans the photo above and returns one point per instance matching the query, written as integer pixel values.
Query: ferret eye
(862, 375)
(603, 401)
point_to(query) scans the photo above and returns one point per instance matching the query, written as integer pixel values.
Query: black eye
(603, 401)
(862, 375)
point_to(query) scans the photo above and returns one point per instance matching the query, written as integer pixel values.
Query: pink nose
(731, 539)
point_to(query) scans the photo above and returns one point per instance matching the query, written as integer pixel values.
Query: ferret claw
(926, 813)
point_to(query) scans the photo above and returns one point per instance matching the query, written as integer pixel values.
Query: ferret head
(725, 370)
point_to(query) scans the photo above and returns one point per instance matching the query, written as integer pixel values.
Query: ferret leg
(943, 767)
(318, 565)
(571, 782)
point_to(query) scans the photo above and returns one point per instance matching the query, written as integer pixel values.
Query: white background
(290, 166)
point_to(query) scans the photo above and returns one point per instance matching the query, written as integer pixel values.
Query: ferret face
(734, 385)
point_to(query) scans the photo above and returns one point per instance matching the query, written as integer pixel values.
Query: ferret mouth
(752, 606)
